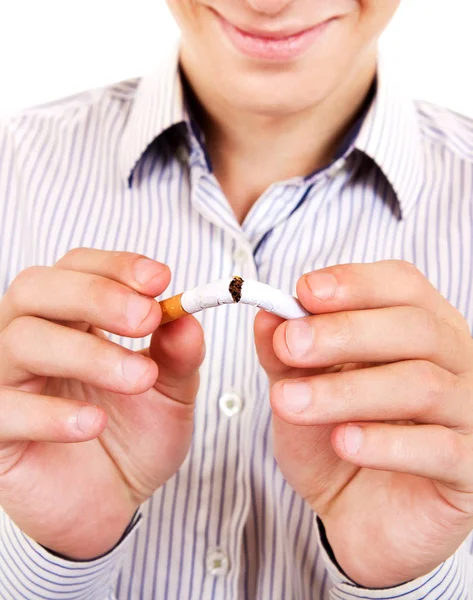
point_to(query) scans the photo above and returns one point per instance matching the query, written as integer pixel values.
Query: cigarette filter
(234, 290)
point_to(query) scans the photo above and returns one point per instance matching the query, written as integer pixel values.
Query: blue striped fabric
(111, 169)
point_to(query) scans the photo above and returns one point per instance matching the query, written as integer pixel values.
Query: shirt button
(230, 404)
(337, 167)
(217, 563)
(240, 256)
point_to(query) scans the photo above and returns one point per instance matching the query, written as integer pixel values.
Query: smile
(272, 46)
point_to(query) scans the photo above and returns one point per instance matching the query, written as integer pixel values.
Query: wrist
(131, 525)
(89, 538)
(360, 558)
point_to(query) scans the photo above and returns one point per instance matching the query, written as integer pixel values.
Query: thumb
(178, 349)
(304, 453)
(265, 327)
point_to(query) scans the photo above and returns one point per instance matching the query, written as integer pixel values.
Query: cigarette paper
(233, 290)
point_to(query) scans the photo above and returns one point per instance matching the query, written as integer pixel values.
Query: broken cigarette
(232, 291)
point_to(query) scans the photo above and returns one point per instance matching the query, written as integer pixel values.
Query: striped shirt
(121, 168)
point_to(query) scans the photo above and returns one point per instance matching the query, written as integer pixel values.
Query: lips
(281, 45)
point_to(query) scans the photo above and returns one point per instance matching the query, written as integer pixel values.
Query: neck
(298, 143)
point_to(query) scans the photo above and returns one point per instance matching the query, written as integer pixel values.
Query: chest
(182, 218)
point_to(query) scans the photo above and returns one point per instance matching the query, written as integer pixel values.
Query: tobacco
(235, 288)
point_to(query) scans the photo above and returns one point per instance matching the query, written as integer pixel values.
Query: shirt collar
(158, 105)
(389, 135)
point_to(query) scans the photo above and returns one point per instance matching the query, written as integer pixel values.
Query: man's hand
(63, 382)
(372, 404)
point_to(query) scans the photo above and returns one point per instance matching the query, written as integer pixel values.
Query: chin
(275, 94)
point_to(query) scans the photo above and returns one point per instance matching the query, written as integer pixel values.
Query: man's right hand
(89, 429)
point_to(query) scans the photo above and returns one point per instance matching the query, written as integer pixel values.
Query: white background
(53, 48)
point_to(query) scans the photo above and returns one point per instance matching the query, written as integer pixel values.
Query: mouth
(272, 45)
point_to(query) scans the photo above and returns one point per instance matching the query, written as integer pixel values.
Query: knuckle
(72, 255)
(406, 268)
(57, 428)
(105, 356)
(346, 392)
(98, 290)
(451, 452)
(122, 264)
(428, 325)
(463, 329)
(129, 256)
(22, 285)
(457, 386)
(124, 261)
(416, 287)
(98, 359)
(431, 384)
(344, 334)
(16, 337)
(460, 331)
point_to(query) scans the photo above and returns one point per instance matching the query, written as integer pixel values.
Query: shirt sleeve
(453, 579)
(29, 571)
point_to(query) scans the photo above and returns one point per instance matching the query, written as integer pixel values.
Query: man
(326, 457)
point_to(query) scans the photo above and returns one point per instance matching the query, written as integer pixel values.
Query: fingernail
(146, 269)
(86, 418)
(299, 338)
(134, 367)
(322, 285)
(297, 396)
(137, 310)
(352, 439)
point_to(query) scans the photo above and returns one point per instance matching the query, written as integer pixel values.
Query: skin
(56, 361)
(411, 478)
(301, 107)
(379, 438)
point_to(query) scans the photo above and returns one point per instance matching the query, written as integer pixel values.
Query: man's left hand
(372, 402)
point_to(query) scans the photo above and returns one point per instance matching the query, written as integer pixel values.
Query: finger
(381, 335)
(136, 271)
(376, 285)
(71, 296)
(31, 346)
(30, 417)
(429, 451)
(179, 349)
(410, 390)
(265, 325)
